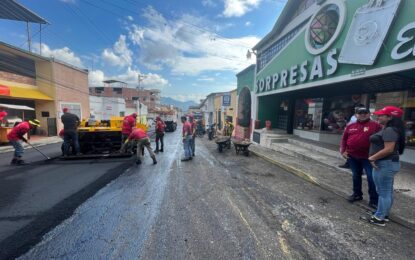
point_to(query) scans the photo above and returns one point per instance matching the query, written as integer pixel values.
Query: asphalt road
(218, 206)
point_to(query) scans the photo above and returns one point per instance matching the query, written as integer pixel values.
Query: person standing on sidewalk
(160, 129)
(70, 136)
(385, 148)
(16, 136)
(140, 137)
(194, 127)
(355, 148)
(187, 139)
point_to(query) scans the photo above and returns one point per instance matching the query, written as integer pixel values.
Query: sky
(185, 48)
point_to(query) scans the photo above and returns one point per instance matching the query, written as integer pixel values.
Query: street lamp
(249, 53)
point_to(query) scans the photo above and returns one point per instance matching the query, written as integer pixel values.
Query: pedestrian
(16, 136)
(187, 139)
(385, 148)
(3, 114)
(160, 129)
(141, 139)
(354, 147)
(70, 136)
(193, 125)
(128, 124)
(352, 120)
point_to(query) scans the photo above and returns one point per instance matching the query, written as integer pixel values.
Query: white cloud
(248, 23)
(130, 76)
(205, 79)
(130, 18)
(185, 48)
(120, 55)
(237, 8)
(64, 54)
(188, 97)
(208, 3)
(95, 78)
(68, 1)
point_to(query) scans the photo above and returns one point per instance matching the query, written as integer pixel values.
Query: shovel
(47, 157)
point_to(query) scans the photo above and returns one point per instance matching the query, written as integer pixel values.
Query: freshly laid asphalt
(217, 206)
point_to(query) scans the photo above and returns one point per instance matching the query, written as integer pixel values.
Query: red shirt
(356, 136)
(61, 133)
(18, 131)
(187, 129)
(2, 115)
(194, 126)
(137, 134)
(127, 125)
(160, 127)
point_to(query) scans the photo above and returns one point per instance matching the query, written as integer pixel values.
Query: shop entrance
(244, 108)
(282, 115)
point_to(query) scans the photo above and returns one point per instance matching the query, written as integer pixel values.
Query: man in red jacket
(127, 126)
(355, 148)
(160, 126)
(16, 136)
(140, 137)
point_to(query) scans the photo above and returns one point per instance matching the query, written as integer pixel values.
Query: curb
(307, 177)
(11, 149)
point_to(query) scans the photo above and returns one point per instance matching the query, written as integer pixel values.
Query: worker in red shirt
(16, 136)
(160, 128)
(194, 127)
(128, 124)
(141, 139)
(354, 147)
(187, 139)
(2, 115)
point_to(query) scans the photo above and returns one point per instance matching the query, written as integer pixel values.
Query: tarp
(16, 107)
(29, 92)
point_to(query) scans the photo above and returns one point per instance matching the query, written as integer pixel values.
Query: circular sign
(325, 26)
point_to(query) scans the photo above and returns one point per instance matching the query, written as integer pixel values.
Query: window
(338, 111)
(117, 90)
(308, 114)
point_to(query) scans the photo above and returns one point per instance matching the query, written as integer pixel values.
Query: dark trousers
(160, 138)
(357, 166)
(70, 137)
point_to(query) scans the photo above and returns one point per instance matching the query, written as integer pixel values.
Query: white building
(105, 107)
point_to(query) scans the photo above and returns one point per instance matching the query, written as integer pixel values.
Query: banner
(226, 100)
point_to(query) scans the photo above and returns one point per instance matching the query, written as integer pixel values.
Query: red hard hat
(134, 114)
(389, 111)
(65, 109)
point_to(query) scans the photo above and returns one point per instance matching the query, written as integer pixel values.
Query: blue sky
(185, 48)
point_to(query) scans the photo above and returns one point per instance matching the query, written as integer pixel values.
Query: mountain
(183, 105)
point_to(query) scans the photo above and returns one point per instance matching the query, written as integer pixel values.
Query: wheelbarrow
(241, 146)
(223, 142)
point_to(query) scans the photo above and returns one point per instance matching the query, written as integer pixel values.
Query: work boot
(154, 160)
(161, 150)
(138, 162)
(20, 162)
(352, 198)
(14, 161)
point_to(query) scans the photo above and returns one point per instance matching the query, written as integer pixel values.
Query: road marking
(283, 245)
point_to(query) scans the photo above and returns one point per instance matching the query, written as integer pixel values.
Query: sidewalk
(35, 140)
(317, 164)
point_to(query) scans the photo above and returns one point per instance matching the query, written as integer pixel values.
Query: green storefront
(322, 58)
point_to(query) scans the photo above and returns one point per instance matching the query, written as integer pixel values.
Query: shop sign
(226, 100)
(300, 73)
(406, 45)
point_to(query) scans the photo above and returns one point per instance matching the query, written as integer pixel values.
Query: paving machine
(102, 138)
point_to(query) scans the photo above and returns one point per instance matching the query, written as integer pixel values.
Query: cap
(362, 110)
(65, 109)
(158, 118)
(34, 122)
(389, 111)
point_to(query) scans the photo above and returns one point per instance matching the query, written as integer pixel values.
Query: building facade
(44, 84)
(322, 58)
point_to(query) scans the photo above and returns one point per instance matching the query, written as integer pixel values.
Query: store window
(308, 114)
(404, 100)
(338, 112)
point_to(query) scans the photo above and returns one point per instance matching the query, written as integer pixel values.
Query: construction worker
(140, 137)
(16, 136)
(3, 114)
(70, 136)
(160, 128)
(193, 127)
(128, 124)
(187, 139)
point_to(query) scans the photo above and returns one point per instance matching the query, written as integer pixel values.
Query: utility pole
(29, 43)
(140, 79)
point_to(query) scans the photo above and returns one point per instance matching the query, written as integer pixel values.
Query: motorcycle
(212, 131)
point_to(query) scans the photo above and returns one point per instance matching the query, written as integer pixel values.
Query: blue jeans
(193, 145)
(187, 145)
(18, 148)
(357, 166)
(384, 176)
(70, 137)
